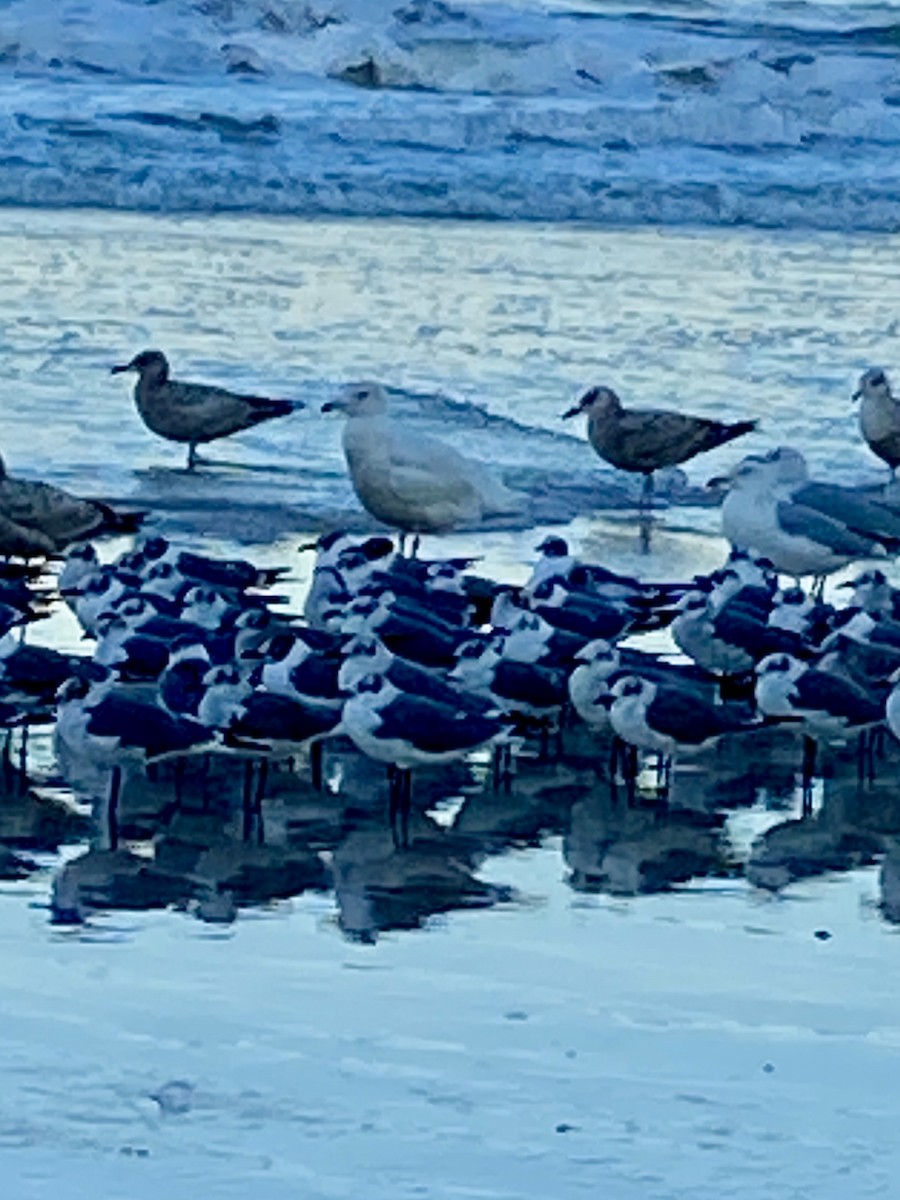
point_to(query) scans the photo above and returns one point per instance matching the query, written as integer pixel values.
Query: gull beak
(122, 368)
(857, 394)
(337, 404)
(571, 412)
(605, 700)
(718, 481)
(307, 546)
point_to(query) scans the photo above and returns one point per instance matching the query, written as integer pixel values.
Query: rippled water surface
(551, 993)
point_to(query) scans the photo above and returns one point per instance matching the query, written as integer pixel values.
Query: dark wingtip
(119, 522)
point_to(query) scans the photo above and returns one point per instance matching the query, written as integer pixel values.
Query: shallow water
(511, 1007)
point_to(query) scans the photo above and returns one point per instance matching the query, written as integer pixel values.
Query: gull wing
(801, 521)
(865, 517)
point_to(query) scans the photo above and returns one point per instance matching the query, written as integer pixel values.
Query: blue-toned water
(551, 992)
(773, 115)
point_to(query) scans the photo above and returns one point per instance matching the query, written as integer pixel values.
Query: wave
(777, 115)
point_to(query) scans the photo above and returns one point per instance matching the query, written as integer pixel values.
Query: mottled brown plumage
(49, 519)
(18, 542)
(194, 413)
(879, 417)
(645, 440)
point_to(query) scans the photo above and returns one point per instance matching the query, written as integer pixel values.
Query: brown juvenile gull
(879, 417)
(195, 412)
(644, 440)
(53, 518)
(18, 542)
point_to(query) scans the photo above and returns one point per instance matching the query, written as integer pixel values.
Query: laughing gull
(35, 670)
(292, 668)
(408, 480)
(663, 720)
(711, 644)
(181, 686)
(426, 642)
(873, 592)
(48, 512)
(602, 665)
(879, 417)
(644, 440)
(251, 718)
(798, 540)
(195, 413)
(327, 589)
(796, 612)
(584, 615)
(828, 707)
(516, 688)
(407, 731)
(114, 729)
(368, 656)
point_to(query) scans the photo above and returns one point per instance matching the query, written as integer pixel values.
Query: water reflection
(198, 844)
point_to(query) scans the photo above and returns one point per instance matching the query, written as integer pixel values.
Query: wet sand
(552, 991)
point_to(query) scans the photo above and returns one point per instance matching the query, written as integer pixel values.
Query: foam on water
(698, 114)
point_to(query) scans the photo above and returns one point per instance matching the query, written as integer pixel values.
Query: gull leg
(497, 766)
(23, 759)
(192, 456)
(616, 754)
(405, 807)
(631, 773)
(809, 766)
(393, 800)
(646, 501)
(315, 765)
(8, 769)
(248, 799)
(645, 512)
(112, 807)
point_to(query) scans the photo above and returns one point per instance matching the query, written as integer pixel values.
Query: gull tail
(718, 432)
(118, 522)
(262, 409)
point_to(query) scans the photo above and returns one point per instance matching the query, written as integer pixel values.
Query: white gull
(410, 481)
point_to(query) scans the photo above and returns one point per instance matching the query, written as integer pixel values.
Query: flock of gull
(417, 663)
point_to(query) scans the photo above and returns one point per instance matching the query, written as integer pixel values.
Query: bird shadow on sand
(211, 467)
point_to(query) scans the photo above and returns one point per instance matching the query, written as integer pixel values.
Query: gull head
(780, 664)
(151, 365)
(634, 687)
(873, 385)
(749, 471)
(74, 689)
(598, 651)
(792, 597)
(790, 464)
(365, 399)
(598, 401)
(553, 547)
